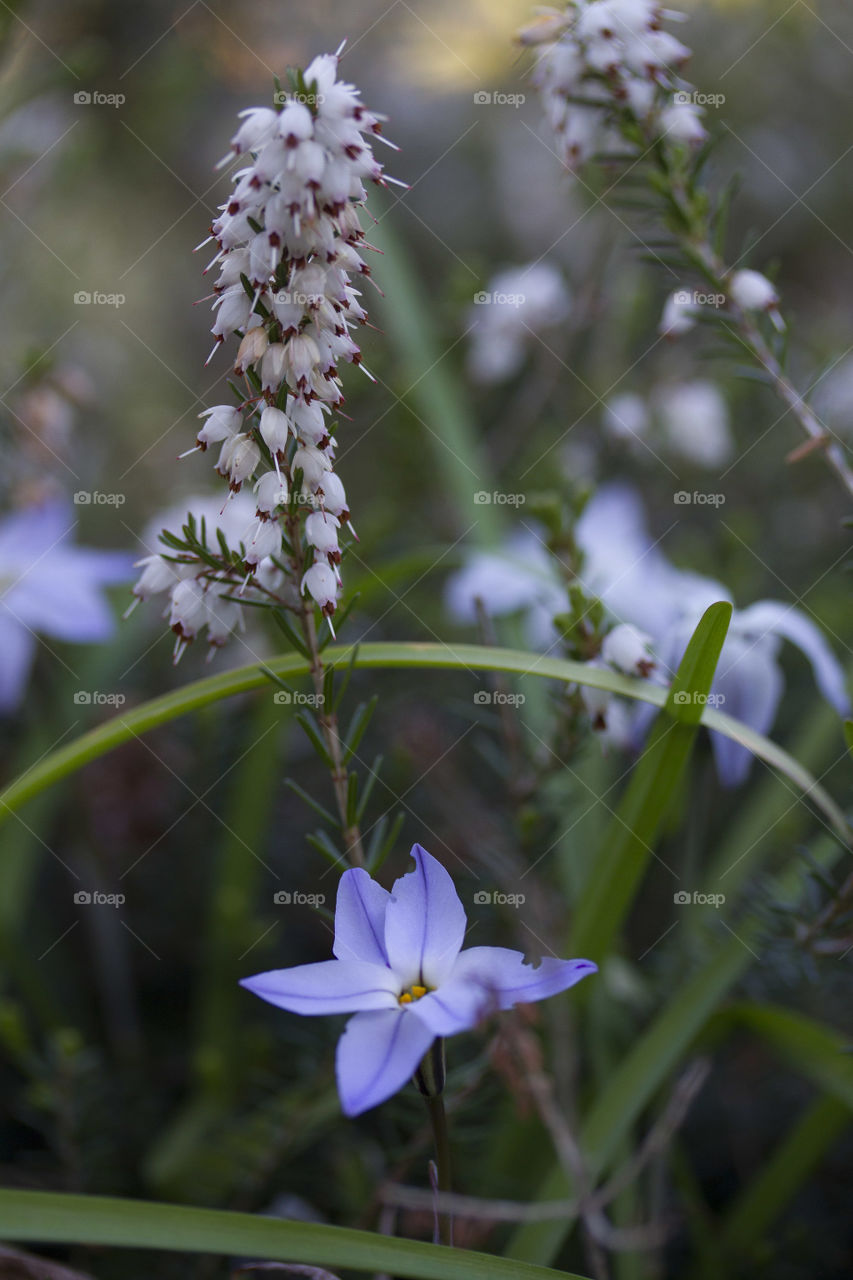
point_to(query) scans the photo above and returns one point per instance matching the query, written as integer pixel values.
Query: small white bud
(321, 532)
(313, 463)
(265, 542)
(251, 349)
(331, 490)
(273, 366)
(322, 585)
(753, 291)
(223, 421)
(239, 457)
(188, 610)
(679, 314)
(275, 429)
(628, 650)
(272, 493)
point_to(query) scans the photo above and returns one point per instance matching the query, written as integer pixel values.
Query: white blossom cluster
(606, 67)
(288, 239)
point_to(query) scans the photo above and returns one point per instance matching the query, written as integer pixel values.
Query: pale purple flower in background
(638, 585)
(48, 586)
(695, 421)
(690, 419)
(520, 304)
(400, 969)
(626, 417)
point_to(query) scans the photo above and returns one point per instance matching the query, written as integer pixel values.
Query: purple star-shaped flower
(401, 970)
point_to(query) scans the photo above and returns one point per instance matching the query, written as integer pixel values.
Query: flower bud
(629, 651)
(275, 429)
(265, 542)
(322, 585)
(753, 291)
(272, 493)
(223, 421)
(239, 457)
(188, 609)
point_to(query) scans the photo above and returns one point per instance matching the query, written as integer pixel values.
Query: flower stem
(696, 240)
(441, 1136)
(326, 717)
(429, 1078)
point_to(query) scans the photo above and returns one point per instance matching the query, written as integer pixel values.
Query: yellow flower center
(414, 993)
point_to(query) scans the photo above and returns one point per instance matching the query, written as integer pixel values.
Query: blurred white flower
(626, 416)
(833, 397)
(521, 304)
(682, 122)
(628, 650)
(49, 586)
(195, 598)
(695, 421)
(603, 60)
(753, 291)
(679, 314)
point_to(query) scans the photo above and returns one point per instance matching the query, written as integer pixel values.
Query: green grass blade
(819, 1052)
(429, 387)
(655, 780)
(390, 656)
(42, 1217)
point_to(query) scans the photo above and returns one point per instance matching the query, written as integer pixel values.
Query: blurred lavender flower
(49, 586)
(638, 585)
(689, 418)
(401, 970)
(695, 421)
(520, 304)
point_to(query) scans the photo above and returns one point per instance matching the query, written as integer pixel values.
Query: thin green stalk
(429, 1078)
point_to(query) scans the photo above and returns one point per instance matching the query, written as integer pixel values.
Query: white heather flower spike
(289, 245)
(603, 60)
